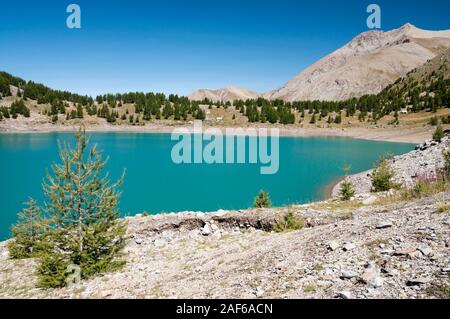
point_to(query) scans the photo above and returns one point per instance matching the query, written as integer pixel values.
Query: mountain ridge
(365, 65)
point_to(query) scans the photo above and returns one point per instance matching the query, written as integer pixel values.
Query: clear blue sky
(179, 46)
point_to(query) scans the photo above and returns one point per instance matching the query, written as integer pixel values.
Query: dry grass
(443, 208)
(337, 206)
(420, 190)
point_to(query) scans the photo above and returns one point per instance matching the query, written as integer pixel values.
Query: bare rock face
(366, 65)
(230, 93)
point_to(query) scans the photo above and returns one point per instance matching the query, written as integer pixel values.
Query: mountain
(229, 93)
(366, 65)
(423, 76)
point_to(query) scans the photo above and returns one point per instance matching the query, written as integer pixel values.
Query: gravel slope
(395, 251)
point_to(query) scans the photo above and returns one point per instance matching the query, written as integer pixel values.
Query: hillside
(366, 65)
(408, 105)
(424, 75)
(230, 93)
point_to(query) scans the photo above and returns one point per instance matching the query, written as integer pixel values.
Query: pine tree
(262, 200)
(28, 232)
(446, 169)
(382, 177)
(338, 119)
(79, 111)
(82, 205)
(346, 191)
(438, 134)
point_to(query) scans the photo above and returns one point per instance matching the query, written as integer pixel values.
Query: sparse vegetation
(81, 230)
(443, 208)
(18, 107)
(425, 188)
(434, 121)
(446, 169)
(382, 177)
(438, 134)
(262, 200)
(309, 288)
(440, 291)
(347, 190)
(28, 233)
(289, 222)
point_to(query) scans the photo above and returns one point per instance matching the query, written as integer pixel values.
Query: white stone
(370, 200)
(217, 234)
(206, 231)
(384, 224)
(345, 294)
(259, 292)
(370, 274)
(349, 246)
(333, 245)
(425, 250)
(346, 274)
(376, 282)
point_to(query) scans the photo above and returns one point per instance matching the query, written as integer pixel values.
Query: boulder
(384, 224)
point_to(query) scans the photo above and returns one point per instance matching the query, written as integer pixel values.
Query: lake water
(154, 184)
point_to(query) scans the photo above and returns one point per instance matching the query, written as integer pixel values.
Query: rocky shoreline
(39, 124)
(422, 163)
(399, 250)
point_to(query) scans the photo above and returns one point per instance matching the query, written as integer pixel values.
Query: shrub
(309, 289)
(424, 188)
(28, 233)
(443, 208)
(338, 119)
(262, 200)
(446, 170)
(289, 222)
(382, 177)
(346, 191)
(438, 134)
(18, 107)
(52, 271)
(434, 121)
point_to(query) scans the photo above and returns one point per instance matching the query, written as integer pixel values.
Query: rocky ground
(346, 250)
(374, 246)
(416, 165)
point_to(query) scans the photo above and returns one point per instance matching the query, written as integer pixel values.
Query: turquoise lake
(154, 184)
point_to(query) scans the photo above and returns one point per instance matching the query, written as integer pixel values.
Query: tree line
(429, 93)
